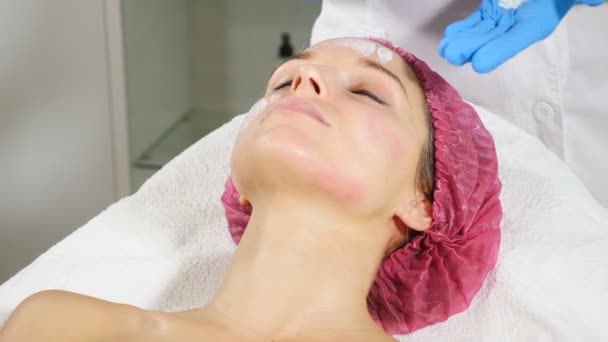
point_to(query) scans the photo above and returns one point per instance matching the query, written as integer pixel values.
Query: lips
(297, 105)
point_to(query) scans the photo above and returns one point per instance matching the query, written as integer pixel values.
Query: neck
(300, 268)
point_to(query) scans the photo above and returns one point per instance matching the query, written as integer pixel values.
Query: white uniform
(556, 90)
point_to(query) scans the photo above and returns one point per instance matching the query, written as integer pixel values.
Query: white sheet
(167, 246)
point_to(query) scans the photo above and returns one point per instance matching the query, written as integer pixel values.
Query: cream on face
(275, 97)
(385, 55)
(256, 109)
(366, 48)
(260, 106)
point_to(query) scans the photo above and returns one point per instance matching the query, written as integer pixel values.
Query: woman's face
(342, 122)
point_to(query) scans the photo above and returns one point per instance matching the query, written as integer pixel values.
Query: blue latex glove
(493, 34)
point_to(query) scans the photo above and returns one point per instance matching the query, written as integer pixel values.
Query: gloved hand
(498, 30)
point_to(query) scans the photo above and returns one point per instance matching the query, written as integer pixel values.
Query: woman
(351, 233)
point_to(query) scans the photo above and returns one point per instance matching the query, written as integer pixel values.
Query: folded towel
(167, 246)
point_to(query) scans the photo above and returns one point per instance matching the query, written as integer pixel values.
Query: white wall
(235, 46)
(157, 67)
(55, 127)
(56, 157)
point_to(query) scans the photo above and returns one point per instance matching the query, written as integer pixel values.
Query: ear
(244, 202)
(416, 214)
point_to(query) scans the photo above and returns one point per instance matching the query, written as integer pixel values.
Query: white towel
(167, 246)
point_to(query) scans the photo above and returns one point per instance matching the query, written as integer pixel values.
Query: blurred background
(97, 95)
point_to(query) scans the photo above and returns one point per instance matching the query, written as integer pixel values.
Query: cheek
(382, 136)
(253, 112)
(258, 109)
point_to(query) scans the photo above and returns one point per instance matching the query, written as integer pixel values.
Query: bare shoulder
(55, 315)
(62, 316)
(51, 297)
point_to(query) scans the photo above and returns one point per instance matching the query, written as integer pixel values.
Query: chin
(300, 167)
(291, 156)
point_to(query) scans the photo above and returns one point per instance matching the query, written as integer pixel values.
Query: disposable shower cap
(438, 272)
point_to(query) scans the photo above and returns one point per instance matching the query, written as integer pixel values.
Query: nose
(309, 81)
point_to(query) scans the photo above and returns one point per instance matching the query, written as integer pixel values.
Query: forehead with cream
(367, 53)
(363, 47)
(373, 50)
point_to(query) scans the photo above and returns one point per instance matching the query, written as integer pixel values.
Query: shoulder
(53, 296)
(71, 304)
(45, 314)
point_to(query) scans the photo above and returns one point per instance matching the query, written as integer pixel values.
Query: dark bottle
(285, 50)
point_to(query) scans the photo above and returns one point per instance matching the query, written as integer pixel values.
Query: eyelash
(363, 92)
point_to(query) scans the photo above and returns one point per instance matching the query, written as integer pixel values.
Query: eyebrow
(377, 66)
(366, 62)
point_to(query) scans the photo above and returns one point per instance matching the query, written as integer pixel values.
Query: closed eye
(363, 92)
(369, 94)
(283, 85)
